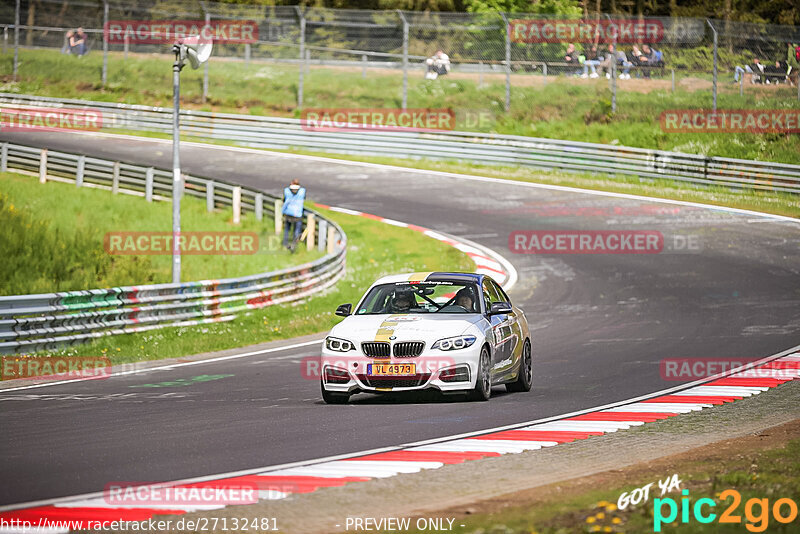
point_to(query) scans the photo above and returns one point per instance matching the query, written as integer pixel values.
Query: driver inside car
(402, 302)
(464, 299)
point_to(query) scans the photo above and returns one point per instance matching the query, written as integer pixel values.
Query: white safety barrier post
(278, 216)
(43, 167)
(323, 234)
(79, 172)
(237, 205)
(115, 179)
(4, 158)
(209, 196)
(259, 207)
(148, 184)
(311, 221)
(331, 239)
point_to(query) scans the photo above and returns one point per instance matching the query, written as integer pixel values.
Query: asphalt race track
(602, 323)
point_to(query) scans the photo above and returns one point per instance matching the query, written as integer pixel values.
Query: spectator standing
(793, 60)
(438, 65)
(293, 198)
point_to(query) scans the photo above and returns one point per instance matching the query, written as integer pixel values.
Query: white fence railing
(486, 149)
(36, 322)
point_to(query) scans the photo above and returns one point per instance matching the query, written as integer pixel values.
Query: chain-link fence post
(105, 43)
(363, 65)
(714, 83)
(405, 58)
(508, 60)
(16, 40)
(613, 70)
(302, 19)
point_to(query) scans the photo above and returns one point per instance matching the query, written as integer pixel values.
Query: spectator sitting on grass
(77, 43)
(756, 68)
(438, 65)
(591, 61)
(571, 58)
(621, 59)
(66, 49)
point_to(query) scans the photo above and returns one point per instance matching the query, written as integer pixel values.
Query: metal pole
(673, 80)
(364, 65)
(508, 61)
(105, 43)
(741, 85)
(613, 71)
(126, 44)
(177, 184)
(405, 58)
(714, 88)
(16, 40)
(205, 67)
(302, 55)
(306, 64)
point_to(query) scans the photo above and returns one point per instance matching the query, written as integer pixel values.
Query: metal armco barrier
(36, 322)
(487, 149)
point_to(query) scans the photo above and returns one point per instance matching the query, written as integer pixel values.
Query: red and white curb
(486, 260)
(280, 482)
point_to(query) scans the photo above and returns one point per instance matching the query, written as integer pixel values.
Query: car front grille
(408, 349)
(393, 381)
(376, 349)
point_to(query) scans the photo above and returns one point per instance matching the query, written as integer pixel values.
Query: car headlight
(454, 343)
(339, 345)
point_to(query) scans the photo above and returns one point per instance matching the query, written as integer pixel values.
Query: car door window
(499, 290)
(490, 293)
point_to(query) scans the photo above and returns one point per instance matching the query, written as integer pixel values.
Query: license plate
(391, 369)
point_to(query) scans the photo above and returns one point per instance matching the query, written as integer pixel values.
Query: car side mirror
(344, 310)
(499, 308)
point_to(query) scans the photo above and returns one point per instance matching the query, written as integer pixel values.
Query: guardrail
(45, 321)
(486, 149)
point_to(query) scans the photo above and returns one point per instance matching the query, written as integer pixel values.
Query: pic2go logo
(756, 511)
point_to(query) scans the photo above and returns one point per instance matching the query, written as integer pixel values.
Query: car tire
(525, 377)
(334, 398)
(483, 382)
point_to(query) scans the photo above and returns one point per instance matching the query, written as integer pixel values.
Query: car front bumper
(447, 371)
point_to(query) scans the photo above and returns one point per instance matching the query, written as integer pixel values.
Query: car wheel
(333, 398)
(483, 382)
(525, 378)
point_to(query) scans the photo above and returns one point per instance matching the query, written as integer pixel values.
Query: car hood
(416, 327)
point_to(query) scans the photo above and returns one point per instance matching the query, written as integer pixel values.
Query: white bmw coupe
(454, 332)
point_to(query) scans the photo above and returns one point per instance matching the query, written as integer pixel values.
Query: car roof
(433, 276)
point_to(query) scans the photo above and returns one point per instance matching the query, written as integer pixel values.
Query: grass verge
(564, 108)
(374, 249)
(763, 466)
(53, 239)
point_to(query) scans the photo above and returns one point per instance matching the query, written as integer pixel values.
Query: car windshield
(421, 297)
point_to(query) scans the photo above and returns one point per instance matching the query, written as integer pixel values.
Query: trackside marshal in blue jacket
(293, 198)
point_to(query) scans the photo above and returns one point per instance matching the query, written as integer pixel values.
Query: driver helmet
(466, 293)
